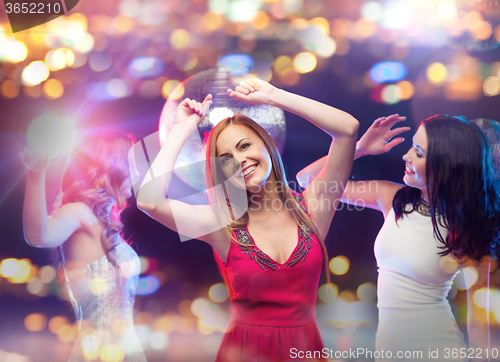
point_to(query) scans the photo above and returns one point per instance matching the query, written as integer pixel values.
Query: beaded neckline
(423, 208)
(248, 246)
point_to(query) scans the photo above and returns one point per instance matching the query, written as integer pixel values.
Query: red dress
(273, 306)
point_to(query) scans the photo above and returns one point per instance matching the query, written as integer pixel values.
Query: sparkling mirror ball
(190, 163)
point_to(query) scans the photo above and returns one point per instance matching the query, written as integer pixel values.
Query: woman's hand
(191, 110)
(34, 161)
(253, 91)
(377, 139)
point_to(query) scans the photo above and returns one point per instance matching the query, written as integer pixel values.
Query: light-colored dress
(102, 294)
(413, 284)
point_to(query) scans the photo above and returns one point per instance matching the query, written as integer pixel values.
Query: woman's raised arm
(323, 194)
(379, 138)
(40, 230)
(193, 221)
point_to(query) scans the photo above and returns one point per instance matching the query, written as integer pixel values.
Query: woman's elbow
(35, 241)
(352, 128)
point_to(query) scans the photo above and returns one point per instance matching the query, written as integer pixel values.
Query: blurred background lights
(481, 297)
(237, 64)
(144, 263)
(447, 9)
(35, 73)
(37, 287)
(148, 284)
(17, 271)
(47, 274)
(9, 267)
(56, 323)
(52, 135)
(293, 6)
(328, 292)
(243, 10)
(16, 51)
(179, 39)
(158, 341)
(56, 59)
(146, 67)
(367, 292)
(9, 89)
(218, 293)
(118, 88)
(35, 322)
(199, 306)
(407, 90)
(467, 278)
(372, 10)
(173, 89)
(491, 86)
(388, 72)
(304, 62)
(397, 15)
(339, 265)
(391, 94)
(436, 73)
(219, 6)
(326, 48)
(53, 89)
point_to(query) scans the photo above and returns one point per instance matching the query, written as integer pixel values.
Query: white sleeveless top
(413, 284)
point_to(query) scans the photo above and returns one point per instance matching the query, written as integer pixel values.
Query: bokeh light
(148, 284)
(388, 72)
(491, 86)
(467, 278)
(328, 293)
(53, 89)
(218, 293)
(480, 297)
(35, 73)
(436, 73)
(367, 292)
(173, 89)
(339, 265)
(16, 51)
(35, 322)
(304, 62)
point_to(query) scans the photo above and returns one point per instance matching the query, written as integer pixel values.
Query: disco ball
(190, 163)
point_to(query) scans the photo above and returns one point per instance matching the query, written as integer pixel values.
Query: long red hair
(97, 170)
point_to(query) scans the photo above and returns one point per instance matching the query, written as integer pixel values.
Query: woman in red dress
(270, 247)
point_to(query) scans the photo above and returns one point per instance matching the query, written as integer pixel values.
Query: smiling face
(415, 160)
(237, 145)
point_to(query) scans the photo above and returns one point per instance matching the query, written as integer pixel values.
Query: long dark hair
(462, 195)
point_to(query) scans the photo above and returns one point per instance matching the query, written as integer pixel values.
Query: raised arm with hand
(379, 138)
(193, 221)
(321, 198)
(40, 230)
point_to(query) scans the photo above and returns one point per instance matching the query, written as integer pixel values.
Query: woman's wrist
(36, 172)
(359, 151)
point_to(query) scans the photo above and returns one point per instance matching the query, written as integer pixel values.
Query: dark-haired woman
(100, 268)
(444, 219)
